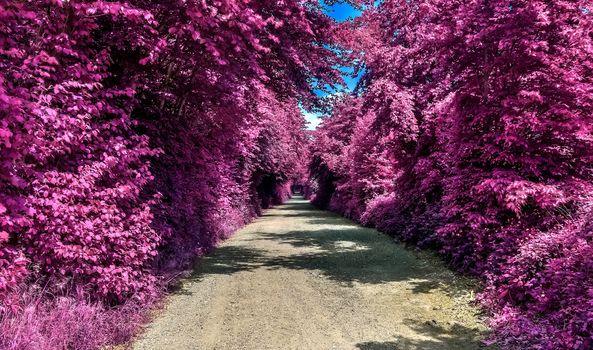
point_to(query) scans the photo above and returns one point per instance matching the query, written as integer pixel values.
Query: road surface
(302, 278)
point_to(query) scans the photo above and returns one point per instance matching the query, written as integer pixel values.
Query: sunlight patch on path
(302, 278)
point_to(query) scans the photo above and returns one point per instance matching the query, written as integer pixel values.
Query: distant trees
(478, 118)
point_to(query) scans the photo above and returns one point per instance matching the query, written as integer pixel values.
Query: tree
(491, 150)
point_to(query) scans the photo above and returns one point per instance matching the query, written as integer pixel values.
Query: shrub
(482, 112)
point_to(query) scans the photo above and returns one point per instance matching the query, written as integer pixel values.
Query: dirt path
(301, 278)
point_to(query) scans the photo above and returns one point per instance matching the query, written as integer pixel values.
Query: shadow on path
(453, 337)
(302, 278)
(340, 249)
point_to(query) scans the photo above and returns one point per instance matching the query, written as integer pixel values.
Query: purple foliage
(135, 136)
(68, 322)
(478, 115)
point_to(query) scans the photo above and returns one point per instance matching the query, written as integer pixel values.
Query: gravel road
(302, 278)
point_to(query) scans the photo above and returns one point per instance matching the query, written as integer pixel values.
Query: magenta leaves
(135, 136)
(472, 134)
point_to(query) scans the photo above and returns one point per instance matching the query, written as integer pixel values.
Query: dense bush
(73, 169)
(227, 86)
(478, 117)
(134, 136)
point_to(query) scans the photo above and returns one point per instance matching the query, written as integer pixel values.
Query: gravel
(302, 278)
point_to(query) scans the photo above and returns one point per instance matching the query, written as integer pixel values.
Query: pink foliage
(135, 136)
(72, 168)
(68, 322)
(481, 122)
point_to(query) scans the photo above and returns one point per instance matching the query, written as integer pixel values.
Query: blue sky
(340, 12)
